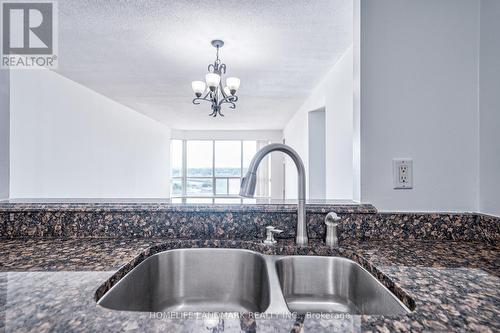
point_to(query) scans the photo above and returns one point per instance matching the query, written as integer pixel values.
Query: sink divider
(277, 303)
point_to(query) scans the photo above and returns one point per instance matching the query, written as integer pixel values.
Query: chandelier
(216, 94)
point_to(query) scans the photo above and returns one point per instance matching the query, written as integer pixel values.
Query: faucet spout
(249, 182)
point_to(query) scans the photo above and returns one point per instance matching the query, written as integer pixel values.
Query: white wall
(67, 141)
(489, 196)
(340, 129)
(295, 135)
(317, 154)
(356, 103)
(271, 135)
(419, 99)
(4, 134)
(335, 93)
(274, 136)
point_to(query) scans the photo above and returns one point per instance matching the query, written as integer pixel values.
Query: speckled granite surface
(422, 226)
(245, 222)
(49, 285)
(266, 205)
(160, 219)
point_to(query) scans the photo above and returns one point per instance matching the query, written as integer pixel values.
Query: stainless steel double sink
(235, 280)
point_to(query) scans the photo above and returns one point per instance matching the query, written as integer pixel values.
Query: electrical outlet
(402, 173)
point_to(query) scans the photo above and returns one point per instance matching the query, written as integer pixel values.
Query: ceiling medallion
(216, 94)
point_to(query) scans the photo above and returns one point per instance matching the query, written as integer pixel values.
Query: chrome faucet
(249, 181)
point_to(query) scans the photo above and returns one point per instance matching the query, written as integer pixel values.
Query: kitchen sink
(333, 284)
(197, 280)
(235, 280)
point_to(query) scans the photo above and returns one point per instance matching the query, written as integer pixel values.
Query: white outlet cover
(402, 173)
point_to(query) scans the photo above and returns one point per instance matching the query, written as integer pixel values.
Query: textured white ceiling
(144, 54)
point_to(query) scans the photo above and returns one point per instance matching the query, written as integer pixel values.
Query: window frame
(214, 197)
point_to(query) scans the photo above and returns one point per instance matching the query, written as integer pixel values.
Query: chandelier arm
(231, 106)
(197, 100)
(224, 95)
(215, 97)
(226, 100)
(230, 100)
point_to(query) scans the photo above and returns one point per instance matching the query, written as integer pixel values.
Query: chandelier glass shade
(213, 90)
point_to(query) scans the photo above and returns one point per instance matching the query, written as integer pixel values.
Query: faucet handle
(331, 221)
(270, 231)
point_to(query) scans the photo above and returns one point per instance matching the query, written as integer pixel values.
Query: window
(210, 171)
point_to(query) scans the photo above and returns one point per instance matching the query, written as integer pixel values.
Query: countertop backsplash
(159, 219)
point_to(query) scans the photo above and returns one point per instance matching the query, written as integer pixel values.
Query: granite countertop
(260, 205)
(50, 284)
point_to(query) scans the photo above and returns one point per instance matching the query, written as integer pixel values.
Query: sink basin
(235, 280)
(333, 284)
(197, 280)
